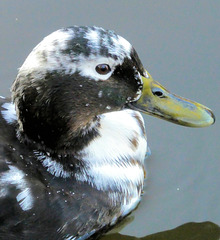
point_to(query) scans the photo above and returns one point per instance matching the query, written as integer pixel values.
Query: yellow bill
(157, 101)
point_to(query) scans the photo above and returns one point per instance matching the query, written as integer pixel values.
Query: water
(178, 42)
(188, 231)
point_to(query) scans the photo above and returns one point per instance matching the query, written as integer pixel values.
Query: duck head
(78, 73)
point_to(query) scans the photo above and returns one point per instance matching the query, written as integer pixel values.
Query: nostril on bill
(157, 92)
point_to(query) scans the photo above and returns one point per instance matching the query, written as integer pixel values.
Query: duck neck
(58, 137)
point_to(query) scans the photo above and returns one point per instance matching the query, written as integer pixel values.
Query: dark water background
(179, 43)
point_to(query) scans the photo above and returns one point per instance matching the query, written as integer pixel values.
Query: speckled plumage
(72, 155)
(72, 146)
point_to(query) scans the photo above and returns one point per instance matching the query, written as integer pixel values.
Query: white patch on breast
(110, 157)
(14, 176)
(113, 163)
(9, 114)
(116, 130)
(112, 175)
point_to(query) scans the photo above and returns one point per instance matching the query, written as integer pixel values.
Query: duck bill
(157, 101)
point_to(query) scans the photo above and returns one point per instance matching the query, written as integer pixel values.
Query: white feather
(49, 55)
(52, 166)
(87, 66)
(107, 158)
(52, 46)
(127, 208)
(93, 39)
(24, 199)
(14, 176)
(69, 237)
(126, 45)
(9, 114)
(84, 237)
(116, 131)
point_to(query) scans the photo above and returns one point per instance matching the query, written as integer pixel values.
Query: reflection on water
(188, 231)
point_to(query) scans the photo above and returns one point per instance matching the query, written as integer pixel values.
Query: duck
(72, 137)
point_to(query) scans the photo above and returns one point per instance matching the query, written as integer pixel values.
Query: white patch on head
(14, 176)
(52, 166)
(87, 66)
(9, 114)
(125, 44)
(47, 55)
(120, 48)
(54, 53)
(116, 45)
(93, 37)
(110, 157)
(2, 97)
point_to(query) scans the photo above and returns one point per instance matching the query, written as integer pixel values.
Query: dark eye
(103, 69)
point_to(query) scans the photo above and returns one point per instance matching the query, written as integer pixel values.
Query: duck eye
(103, 69)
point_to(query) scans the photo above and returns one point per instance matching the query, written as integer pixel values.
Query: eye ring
(103, 69)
